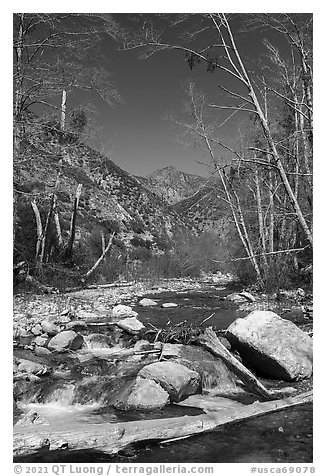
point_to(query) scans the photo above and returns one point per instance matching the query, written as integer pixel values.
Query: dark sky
(136, 135)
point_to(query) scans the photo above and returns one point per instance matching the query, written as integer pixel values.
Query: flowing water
(86, 392)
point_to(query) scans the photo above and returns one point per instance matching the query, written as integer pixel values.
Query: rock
(37, 330)
(169, 304)
(176, 379)
(41, 351)
(216, 378)
(50, 328)
(145, 302)
(76, 326)
(32, 367)
(272, 346)
(40, 341)
(121, 311)
(211, 404)
(142, 394)
(66, 340)
(131, 325)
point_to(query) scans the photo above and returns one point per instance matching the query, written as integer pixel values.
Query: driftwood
(209, 340)
(111, 438)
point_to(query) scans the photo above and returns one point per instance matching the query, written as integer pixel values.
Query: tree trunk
(209, 340)
(39, 232)
(101, 258)
(73, 222)
(63, 110)
(110, 438)
(266, 130)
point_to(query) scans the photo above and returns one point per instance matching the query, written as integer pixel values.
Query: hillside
(111, 200)
(171, 184)
(204, 210)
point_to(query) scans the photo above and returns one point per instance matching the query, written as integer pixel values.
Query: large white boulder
(272, 346)
(176, 379)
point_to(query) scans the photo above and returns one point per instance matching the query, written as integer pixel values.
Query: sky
(135, 134)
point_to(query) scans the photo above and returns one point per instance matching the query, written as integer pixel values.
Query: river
(285, 436)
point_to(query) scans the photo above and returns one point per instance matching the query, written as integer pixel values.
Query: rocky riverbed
(100, 347)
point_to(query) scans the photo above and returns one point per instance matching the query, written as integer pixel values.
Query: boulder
(216, 377)
(121, 311)
(141, 394)
(66, 340)
(272, 346)
(131, 325)
(176, 379)
(50, 328)
(168, 305)
(145, 302)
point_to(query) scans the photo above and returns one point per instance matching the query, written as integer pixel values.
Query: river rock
(145, 302)
(121, 311)
(41, 351)
(176, 379)
(131, 325)
(272, 346)
(142, 394)
(168, 305)
(40, 341)
(66, 340)
(32, 367)
(37, 330)
(50, 328)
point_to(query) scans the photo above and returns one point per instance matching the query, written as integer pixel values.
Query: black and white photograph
(162, 219)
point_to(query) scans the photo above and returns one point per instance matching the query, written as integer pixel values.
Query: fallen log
(209, 340)
(111, 438)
